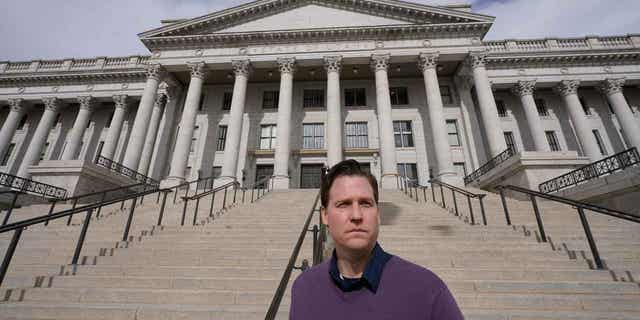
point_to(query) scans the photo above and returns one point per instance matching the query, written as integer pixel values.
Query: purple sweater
(406, 291)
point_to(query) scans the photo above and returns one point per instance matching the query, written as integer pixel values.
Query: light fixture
(312, 72)
(270, 73)
(356, 70)
(398, 69)
(439, 68)
(229, 75)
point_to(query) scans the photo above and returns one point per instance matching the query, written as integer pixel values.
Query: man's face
(352, 214)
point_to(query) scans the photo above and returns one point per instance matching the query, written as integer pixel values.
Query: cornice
(394, 32)
(401, 10)
(71, 78)
(561, 59)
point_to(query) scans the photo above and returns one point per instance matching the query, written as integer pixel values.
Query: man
(361, 280)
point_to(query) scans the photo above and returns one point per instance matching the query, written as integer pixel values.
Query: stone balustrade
(586, 43)
(88, 64)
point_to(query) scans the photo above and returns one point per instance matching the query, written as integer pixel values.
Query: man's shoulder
(311, 276)
(401, 269)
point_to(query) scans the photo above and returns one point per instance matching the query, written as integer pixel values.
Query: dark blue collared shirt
(370, 277)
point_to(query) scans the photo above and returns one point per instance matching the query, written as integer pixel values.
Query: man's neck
(351, 263)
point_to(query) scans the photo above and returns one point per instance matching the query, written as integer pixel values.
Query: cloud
(43, 29)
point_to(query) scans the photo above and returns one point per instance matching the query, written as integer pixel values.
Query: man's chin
(357, 244)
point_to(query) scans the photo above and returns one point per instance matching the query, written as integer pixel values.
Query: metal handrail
(27, 185)
(619, 161)
(125, 171)
(578, 205)
(454, 189)
(18, 227)
(211, 192)
(491, 164)
(284, 281)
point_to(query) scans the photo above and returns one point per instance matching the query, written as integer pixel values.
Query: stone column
(187, 125)
(524, 90)
(234, 129)
(568, 89)
(612, 88)
(32, 156)
(427, 63)
(77, 131)
(281, 168)
(333, 65)
(113, 135)
(150, 141)
(11, 124)
(380, 64)
(487, 103)
(141, 122)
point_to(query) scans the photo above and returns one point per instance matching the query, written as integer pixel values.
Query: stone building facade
(283, 87)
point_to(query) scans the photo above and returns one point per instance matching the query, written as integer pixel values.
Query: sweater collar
(370, 277)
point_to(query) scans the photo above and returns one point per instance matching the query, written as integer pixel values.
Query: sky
(59, 29)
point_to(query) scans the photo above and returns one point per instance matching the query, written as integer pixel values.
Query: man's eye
(366, 204)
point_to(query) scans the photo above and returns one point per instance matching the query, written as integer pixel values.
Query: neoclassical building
(283, 87)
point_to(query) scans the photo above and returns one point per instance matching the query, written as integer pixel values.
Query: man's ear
(323, 214)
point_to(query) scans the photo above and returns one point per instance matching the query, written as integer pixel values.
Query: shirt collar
(370, 277)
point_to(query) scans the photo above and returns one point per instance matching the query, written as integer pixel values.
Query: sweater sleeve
(445, 307)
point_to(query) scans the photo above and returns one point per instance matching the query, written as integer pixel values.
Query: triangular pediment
(288, 15)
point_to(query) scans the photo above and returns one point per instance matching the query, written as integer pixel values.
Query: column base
(281, 183)
(171, 182)
(389, 182)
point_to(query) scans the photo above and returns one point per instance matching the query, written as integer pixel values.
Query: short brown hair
(348, 168)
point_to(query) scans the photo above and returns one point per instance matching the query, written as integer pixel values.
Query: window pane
(445, 93)
(222, 138)
(226, 100)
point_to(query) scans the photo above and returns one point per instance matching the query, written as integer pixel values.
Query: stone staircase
(230, 266)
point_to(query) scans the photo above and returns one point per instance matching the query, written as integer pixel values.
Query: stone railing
(89, 64)
(537, 45)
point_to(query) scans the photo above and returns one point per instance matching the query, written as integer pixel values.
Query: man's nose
(356, 212)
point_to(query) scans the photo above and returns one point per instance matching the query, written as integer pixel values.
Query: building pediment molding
(391, 32)
(416, 15)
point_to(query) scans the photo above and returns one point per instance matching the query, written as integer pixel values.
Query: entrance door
(262, 171)
(310, 176)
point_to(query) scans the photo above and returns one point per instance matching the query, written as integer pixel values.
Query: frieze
(311, 47)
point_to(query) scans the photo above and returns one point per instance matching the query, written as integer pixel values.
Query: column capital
(161, 100)
(155, 71)
(287, 65)
(198, 69)
(52, 104)
(121, 101)
(17, 104)
(567, 87)
(428, 61)
(524, 88)
(241, 67)
(611, 86)
(86, 102)
(477, 59)
(333, 64)
(380, 62)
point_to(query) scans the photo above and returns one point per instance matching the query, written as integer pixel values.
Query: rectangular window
(313, 98)
(356, 135)
(600, 142)
(267, 137)
(460, 169)
(226, 100)
(43, 154)
(23, 121)
(192, 148)
(553, 140)
(355, 97)
(399, 95)
(216, 171)
(99, 149)
(202, 103)
(7, 155)
(502, 110)
(263, 171)
(313, 136)
(408, 170)
(585, 107)
(403, 134)
(510, 140)
(454, 136)
(542, 108)
(222, 138)
(445, 93)
(270, 99)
